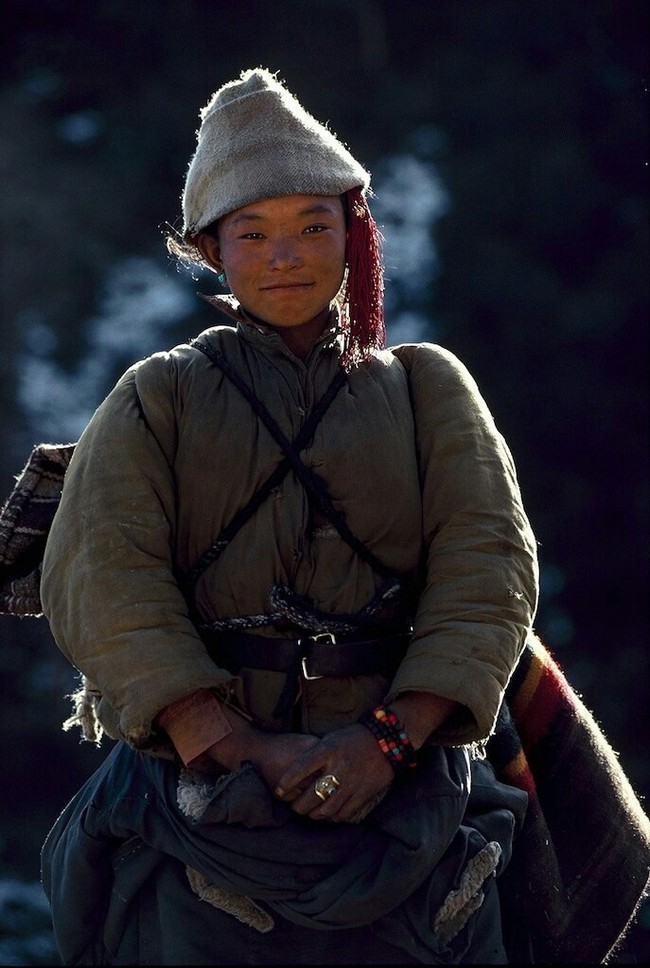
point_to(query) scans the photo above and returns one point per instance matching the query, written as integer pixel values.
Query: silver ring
(326, 785)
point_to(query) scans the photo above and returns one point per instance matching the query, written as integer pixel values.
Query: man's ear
(208, 246)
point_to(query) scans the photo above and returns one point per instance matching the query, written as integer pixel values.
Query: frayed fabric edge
(84, 713)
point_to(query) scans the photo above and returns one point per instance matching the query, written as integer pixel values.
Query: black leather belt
(316, 655)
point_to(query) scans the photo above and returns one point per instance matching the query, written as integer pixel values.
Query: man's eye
(315, 228)
(252, 235)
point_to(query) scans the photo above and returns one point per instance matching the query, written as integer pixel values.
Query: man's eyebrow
(320, 208)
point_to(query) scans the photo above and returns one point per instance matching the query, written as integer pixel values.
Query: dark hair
(184, 247)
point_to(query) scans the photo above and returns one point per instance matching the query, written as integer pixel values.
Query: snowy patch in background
(410, 198)
(139, 304)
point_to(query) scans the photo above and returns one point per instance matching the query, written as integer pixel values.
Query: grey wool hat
(256, 141)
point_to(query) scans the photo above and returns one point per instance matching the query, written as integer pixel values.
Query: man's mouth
(286, 285)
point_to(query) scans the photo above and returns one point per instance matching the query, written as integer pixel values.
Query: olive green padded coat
(409, 453)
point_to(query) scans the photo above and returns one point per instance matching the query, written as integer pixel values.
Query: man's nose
(285, 254)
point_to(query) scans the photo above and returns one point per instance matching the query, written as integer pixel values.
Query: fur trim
(242, 908)
(460, 904)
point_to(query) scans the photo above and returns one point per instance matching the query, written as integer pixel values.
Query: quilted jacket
(408, 452)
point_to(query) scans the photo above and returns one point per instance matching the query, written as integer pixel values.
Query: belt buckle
(318, 637)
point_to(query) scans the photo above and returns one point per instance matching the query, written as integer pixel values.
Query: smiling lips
(286, 285)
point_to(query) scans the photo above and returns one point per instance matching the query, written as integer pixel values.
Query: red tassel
(363, 312)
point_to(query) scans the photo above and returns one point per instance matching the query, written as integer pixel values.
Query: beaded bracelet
(391, 737)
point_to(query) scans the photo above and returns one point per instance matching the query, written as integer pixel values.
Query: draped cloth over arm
(582, 862)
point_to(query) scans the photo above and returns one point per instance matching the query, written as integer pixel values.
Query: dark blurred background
(509, 147)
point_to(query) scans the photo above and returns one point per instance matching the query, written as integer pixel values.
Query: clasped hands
(355, 772)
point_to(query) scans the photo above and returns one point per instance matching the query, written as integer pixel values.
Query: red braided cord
(363, 315)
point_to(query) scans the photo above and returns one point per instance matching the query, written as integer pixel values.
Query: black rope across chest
(286, 605)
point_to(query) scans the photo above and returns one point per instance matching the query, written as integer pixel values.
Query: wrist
(422, 714)
(391, 737)
(238, 745)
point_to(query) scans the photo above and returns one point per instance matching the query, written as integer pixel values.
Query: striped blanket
(25, 519)
(582, 862)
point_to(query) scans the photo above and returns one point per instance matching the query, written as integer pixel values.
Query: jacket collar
(259, 334)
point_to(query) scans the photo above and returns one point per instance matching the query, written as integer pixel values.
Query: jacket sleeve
(480, 586)
(108, 586)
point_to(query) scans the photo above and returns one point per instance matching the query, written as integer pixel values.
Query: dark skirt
(115, 868)
(168, 924)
